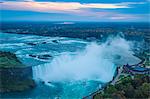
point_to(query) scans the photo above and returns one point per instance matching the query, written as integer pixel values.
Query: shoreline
(115, 75)
(14, 75)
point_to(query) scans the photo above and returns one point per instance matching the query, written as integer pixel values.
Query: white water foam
(96, 62)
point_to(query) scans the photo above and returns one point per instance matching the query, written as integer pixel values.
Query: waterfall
(39, 72)
(96, 62)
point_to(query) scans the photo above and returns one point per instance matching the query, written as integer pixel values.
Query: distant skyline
(75, 10)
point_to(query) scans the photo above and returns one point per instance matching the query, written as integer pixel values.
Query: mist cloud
(96, 62)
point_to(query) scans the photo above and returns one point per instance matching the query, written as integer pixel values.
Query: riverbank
(136, 86)
(112, 88)
(14, 76)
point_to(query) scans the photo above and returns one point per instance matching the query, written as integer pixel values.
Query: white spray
(96, 62)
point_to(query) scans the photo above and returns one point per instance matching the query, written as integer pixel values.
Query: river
(66, 67)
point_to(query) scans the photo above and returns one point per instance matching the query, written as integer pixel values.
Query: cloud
(129, 17)
(65, 7)
(20, 0)
(73, 8)
(123, 17)
(56, 7)
(60, 6)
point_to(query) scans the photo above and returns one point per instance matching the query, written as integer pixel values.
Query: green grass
(8, 59)
(10, 83)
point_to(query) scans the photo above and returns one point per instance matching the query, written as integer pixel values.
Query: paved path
(118, 75)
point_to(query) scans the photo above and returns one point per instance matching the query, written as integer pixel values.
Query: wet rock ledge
(14, 76)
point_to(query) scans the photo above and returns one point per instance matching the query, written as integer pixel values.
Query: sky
(75, 10)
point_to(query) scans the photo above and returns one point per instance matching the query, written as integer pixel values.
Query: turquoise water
(18, 44)
(75, 67)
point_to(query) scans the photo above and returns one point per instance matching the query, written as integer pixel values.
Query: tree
(98, 96)
(110, 89)
(118, 95)
(129, 90)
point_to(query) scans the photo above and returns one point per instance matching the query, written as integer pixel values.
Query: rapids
(76, 68)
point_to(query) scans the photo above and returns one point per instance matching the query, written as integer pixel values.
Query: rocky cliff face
(14, 76)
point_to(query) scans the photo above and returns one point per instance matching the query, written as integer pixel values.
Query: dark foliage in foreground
(137, 88)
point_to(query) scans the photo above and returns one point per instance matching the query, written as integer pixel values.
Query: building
(135, 69)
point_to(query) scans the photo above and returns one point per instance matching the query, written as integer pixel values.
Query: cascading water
(72, 74)
(86, 65)
(95, 63)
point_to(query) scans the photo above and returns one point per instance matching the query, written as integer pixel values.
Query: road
(118, 75)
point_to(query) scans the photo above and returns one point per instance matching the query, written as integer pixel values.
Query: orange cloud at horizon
(56, 6)
(74, 8)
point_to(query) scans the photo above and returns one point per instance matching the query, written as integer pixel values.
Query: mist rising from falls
(96, 62)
